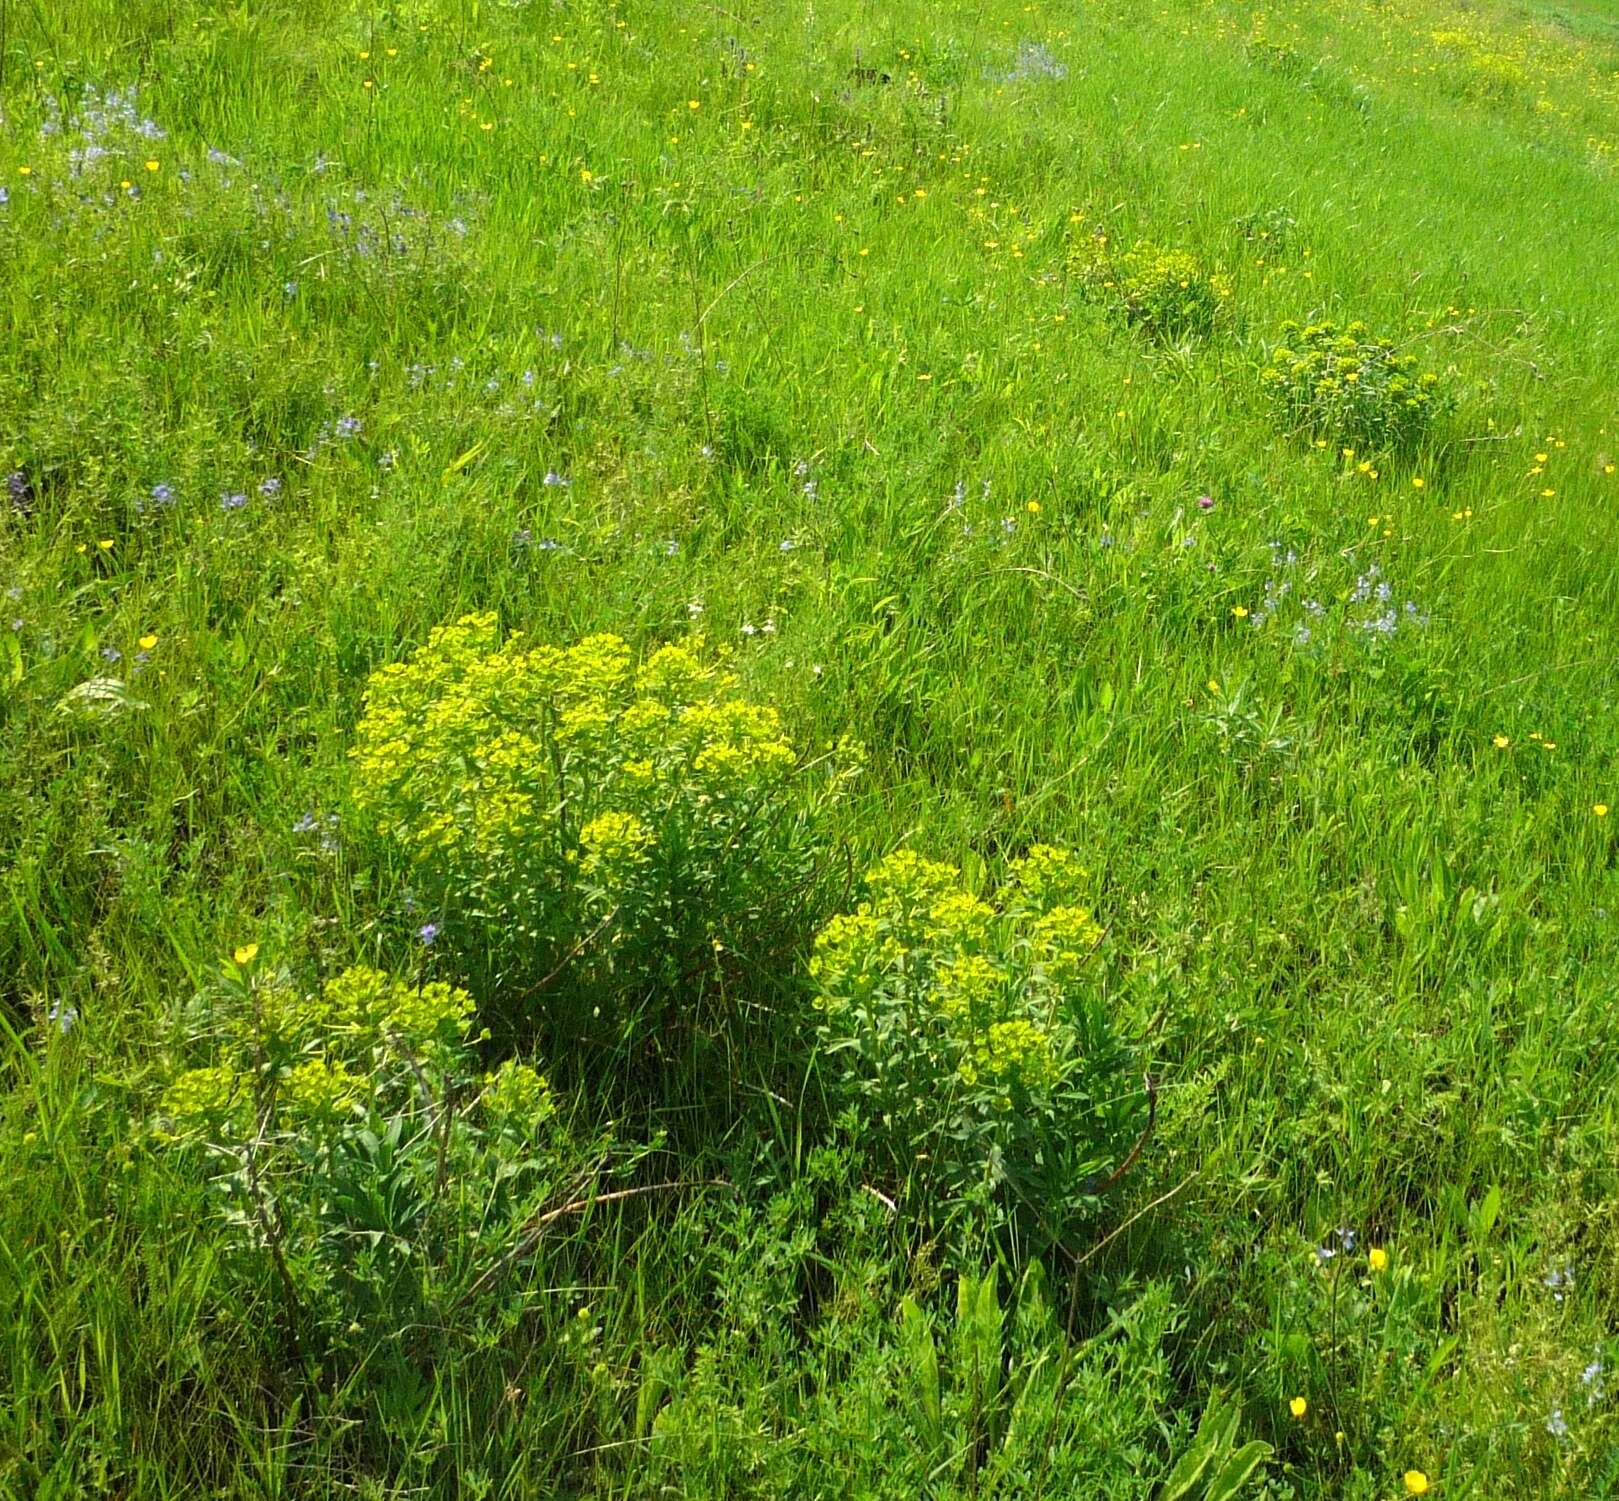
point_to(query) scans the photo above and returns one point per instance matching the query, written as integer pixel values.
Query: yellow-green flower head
(470, 637)
(203, 1097)
(437, 835)
(642, 773)
(372, 1005)
(321, 1090)
(1163, 288)
(1019, 1051)
(502, 821)
(846, 948)
(676, 675)
(904, 880)
(517, 1096)
(358, 999)
(1063, 939)
(960, 918)
(1050, 877)
(614, 846)
(645, 724)
(495, 765)
(967, 986)
(583, 719)
(509, 753)
(421, 1014)
(596, 668)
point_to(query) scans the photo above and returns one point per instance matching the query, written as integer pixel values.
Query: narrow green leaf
(1237, 1471)
(1188, 1472)
(923, 1357)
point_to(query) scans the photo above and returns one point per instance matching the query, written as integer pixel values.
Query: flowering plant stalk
(363, 1160)
(566, 811)
(970, 1040)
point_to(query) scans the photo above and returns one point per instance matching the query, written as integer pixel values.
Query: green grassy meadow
(781, 326)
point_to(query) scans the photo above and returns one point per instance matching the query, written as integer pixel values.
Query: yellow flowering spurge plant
(1168, 292)
(1342, 383)
(971, 1040)
(566, 807)
(370, 1166)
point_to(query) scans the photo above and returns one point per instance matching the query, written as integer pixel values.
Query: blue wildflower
(1035, 61)
(1591, 1380)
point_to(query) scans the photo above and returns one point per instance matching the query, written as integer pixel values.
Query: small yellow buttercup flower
(246, 953)
(151, 166)
(1240, 611)
(148, 641)
(1378, 1259)
(1600, 809)
(1416, 1482)
(1298, 1407)
(1502, 742)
